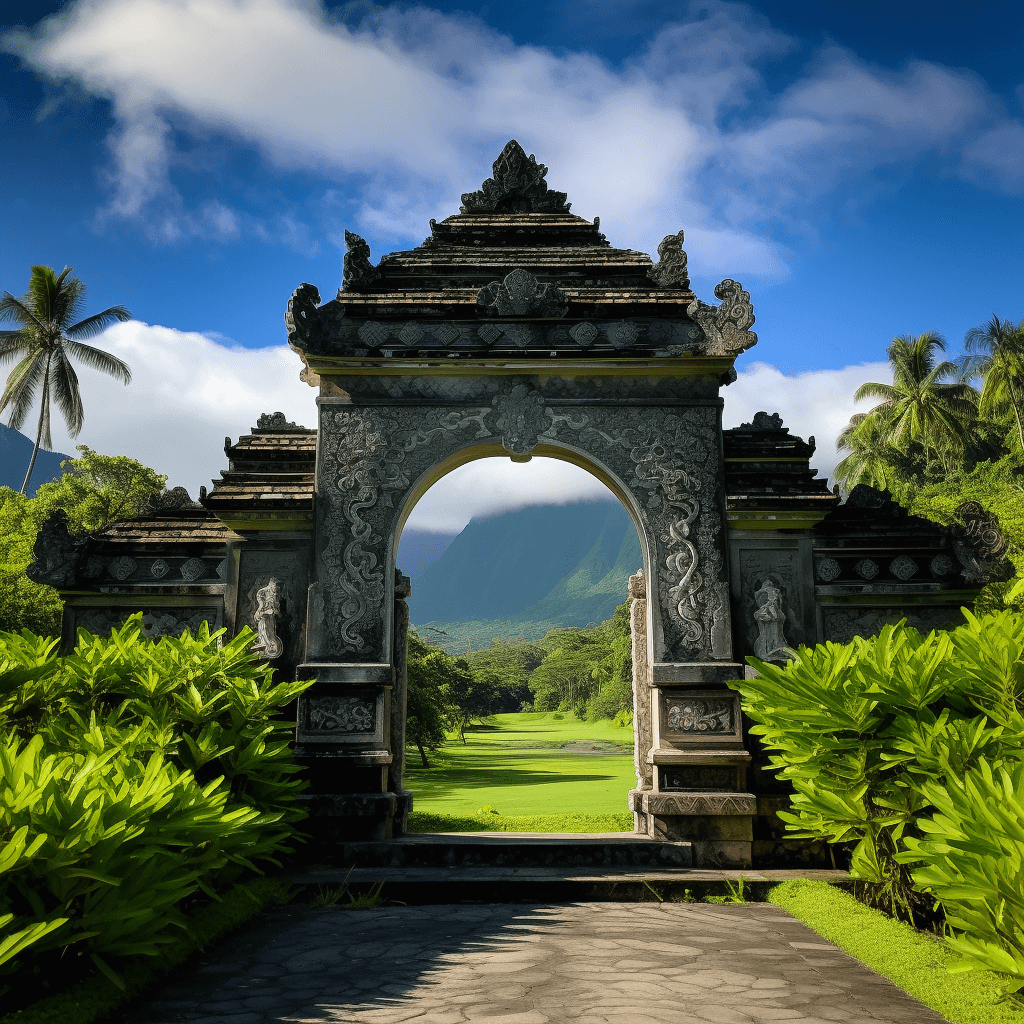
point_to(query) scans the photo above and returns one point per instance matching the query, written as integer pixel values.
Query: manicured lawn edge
(914, 961)
(431, 821)
(95, 998)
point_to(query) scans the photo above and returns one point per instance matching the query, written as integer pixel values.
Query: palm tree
(997, 356)
(926, 402)
(46, 339)
(873, 459)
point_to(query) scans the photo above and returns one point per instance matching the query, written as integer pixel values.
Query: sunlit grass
(526, 765)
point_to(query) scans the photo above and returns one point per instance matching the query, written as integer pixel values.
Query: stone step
(506, 850)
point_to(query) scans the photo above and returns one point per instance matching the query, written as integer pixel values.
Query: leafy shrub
(913, 747)
(859, 729)
(132, 773)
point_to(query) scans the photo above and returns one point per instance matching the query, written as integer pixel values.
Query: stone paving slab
(499, 873)
(592, 963)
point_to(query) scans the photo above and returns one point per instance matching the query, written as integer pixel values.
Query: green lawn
(527, 764)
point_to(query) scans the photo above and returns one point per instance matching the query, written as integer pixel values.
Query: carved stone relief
(642, 729)
(669, 460)
(771, 641)
(841, 625)
(123, 567)
(342, 714)
(670, 270)
(827, 570)
(359, 273)
(903, 567)
(726, 327)
(517, 186)
(697, 714)
(521, 294)
(156, 622)
(981, 549)
(257, 569)
(697, 777)
(777, 568)
(266, 613)
(193, 569)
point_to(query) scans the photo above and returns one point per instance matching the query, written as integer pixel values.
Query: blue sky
(859, 167)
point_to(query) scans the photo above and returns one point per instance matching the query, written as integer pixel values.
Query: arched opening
(519, 576)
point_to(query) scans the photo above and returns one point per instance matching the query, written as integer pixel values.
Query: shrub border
(913, 960)
(96, 997)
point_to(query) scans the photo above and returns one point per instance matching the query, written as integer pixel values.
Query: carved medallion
(827, 570)
(159, 569)
(489, 333)
(584, 334)
(941, 565)
(193, 569)
(521, 294)
(373, 334)
(522, 417)
(623, 334)
(866, 569)
(93, 567)
(121, 568)
(903, 567)
(410, 334)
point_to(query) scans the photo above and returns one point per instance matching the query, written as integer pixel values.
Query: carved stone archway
(517, 330)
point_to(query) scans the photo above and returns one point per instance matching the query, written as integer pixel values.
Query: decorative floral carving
(193, 569)
(726, 327)
(941, 565)
(156, 622)
(121, 568)
(827, 570)
(522, 418)
(670, 270)
(159, 569)
(359, 273)
(903, 567)
(521, 294)
(517, 186)
(866, 569)
(341, 714)
(770, 618)
(94, 567)
(696, 714)
(623, 334)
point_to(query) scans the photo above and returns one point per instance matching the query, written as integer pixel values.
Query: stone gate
(516, 330)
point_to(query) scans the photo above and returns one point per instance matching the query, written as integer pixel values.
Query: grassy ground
(527, 765)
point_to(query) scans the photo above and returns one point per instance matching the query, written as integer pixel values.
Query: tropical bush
(902, 745)
(132, 774)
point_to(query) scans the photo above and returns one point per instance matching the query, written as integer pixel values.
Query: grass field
(527, 764)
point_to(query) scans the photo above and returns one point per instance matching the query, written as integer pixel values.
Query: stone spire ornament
(517, 186)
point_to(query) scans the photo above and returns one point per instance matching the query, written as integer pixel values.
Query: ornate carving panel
(689, 716)
(709, 777)
(156, 622)
(668, 459)
(342, 716)
(841, 625)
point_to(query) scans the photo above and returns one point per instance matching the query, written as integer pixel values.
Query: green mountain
(518, 574)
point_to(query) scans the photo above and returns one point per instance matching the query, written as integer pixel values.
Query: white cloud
(189, 391)
(816, 403)
(416, 102)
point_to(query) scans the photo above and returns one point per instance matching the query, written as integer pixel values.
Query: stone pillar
(399, 702)
(642, 736)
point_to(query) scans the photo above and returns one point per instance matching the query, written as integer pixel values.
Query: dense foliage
(912, 748)
(132, 773)
(935, 441)
(94, 490)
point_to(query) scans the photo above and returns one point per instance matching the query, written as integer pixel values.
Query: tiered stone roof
(269, 482)
(769, 483)
(516, 274)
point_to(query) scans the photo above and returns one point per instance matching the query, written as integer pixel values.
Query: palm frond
(886, 392)
(66, 393)
(12, 308)
(12, 343)
(98, 322)
(22, 382)
(99, 360)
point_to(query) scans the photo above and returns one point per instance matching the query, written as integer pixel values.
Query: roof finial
(518, 186)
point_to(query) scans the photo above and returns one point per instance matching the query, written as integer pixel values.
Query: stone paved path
(585, 963)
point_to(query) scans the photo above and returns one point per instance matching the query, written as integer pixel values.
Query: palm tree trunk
(44, 398)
